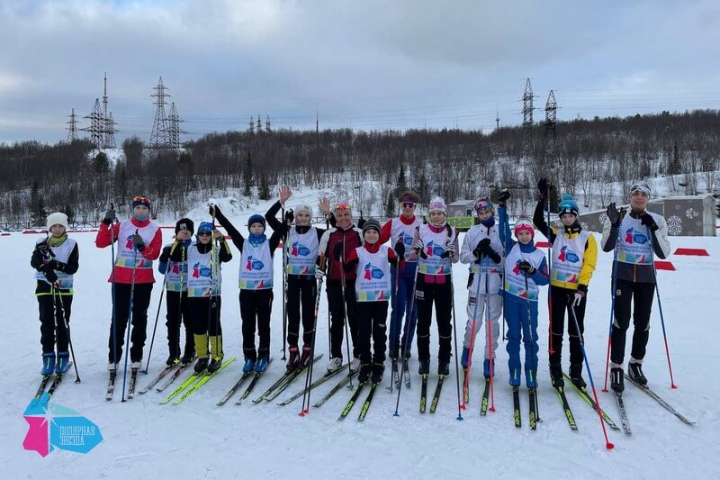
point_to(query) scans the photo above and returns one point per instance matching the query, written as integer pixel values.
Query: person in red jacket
(139, 242)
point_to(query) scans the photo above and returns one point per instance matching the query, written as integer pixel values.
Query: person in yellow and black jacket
(574, 257)
(55, 259)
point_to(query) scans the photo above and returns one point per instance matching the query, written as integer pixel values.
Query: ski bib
(200, 282)
(514, 278)
(256, 267)
(373, 275)
(127, 256)
(399, 232)
(474, 236)
(302, 252)
(567, 256)
(634, 245)
(61, 253)
(176, 274)
(435, 243)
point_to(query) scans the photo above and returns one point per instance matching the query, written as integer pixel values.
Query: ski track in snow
(197, 439)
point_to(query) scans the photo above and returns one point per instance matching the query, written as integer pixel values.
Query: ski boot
(576, 376)
(201, 364)
(249, 365)
(424, 367)
(617, 380)
(377, 372)
(63, 363)
(487, 371)
(365, 371)
(443, 368)
(636, 374)
(294, 361)
(556, 375)
(262, 364)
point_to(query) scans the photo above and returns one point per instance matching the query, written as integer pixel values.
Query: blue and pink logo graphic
(201, 271)
(568, 256)
(253, 264)
(635, 237)
(372, 272)
(432, 249)
(129, 244)
(53, 426)
(299, 250)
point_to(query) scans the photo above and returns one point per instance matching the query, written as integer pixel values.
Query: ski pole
(612, 308)
(406, 337)
(345, 312)
(551, 350)
(454, 325)
(608, 444)
(662, 317)
(157, 317)
(533, 341)
(490, 342)
(285, 279)
(112, 278)
(308, 379)
(66, 325)
(395, 308)
(129, 321)
(471, 346)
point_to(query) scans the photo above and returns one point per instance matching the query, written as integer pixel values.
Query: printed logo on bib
(253, 264)
(129, 244)
(568, 256)
(372, 272)
(432, 249)
(176, 268)
(201, 271)
(298, 250)
(406, 239)
(632, 237)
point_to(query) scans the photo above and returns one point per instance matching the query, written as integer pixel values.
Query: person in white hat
(636, 239)
(55, 260)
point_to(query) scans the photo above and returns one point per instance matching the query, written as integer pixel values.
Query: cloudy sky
(363, 64)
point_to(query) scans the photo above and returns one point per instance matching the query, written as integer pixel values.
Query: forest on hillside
(594, 159)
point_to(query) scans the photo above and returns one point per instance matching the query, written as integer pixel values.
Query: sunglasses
(343, 207)
(204, 234)
(408, 204)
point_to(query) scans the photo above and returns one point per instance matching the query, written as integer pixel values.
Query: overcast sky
(363, 64)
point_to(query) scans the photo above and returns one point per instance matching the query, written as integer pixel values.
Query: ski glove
(502, 197)
(544, 187)
(526, 267)
(319, 274)
(109, 216)
(42, 248)
(138, 242)
(419, 244)
(289, 215)
(614, 215)
(449, 250)
(400, 249)
(55, 265)
(51, 275)
(648, 221)
(482, 248)
(576, 299)
(338, 251)
(214, 211)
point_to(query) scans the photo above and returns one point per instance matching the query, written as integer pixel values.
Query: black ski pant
(53, 307)
(255, 311)
(301, 296)
(561, 303)
(205, 315)
(372, 323)
(178, 313)
(641, 294)
(440, 294)
(140, 293)
(339, 305)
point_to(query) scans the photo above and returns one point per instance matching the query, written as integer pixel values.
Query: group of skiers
(364, 278)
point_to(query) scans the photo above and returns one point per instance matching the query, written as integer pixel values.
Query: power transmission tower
(527, 118)
(267, 124)
(72, 129)
(159, 134)
(550, 160)
(109, 124)
(97, 126)
(174, 128)
(259, 125)
(251, 125)
(497, 119)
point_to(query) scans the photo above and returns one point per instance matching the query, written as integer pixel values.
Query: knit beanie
(57, 218)
(185, 223)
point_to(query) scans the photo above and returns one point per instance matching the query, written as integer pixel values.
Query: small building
(461, 208)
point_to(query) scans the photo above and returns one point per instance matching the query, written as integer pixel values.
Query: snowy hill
(197, 439)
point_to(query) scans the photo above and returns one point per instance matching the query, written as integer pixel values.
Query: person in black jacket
(55, 259)
(301, 248)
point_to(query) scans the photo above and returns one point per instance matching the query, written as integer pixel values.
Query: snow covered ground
(197, 439)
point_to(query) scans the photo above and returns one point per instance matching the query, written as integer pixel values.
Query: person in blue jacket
(525, 271)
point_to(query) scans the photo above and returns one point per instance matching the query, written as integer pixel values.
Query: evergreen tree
(423, 190)
(37, 205)
(101, 163)
(401, 181)
(264, 188)
(248, 177)
(390, 206)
